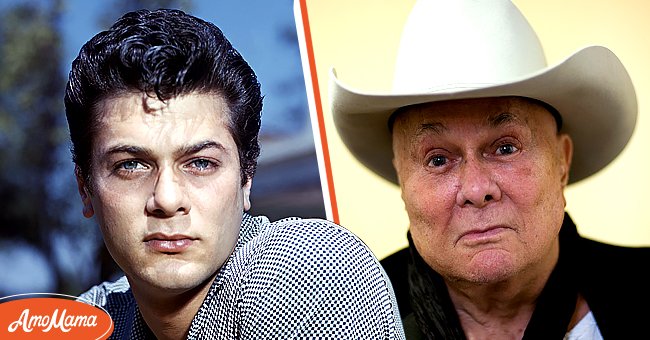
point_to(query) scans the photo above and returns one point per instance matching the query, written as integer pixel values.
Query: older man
(482, 138)
(164, 117)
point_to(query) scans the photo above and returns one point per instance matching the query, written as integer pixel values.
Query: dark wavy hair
(162, 53)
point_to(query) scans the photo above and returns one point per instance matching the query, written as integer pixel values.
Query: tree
(32, 128)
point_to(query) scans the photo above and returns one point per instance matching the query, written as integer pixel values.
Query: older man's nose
(477, 186)
(169, 196)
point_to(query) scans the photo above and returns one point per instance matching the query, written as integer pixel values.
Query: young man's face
(482, 181)
(166, 188)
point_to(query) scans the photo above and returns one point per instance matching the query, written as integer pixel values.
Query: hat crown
(461, 44)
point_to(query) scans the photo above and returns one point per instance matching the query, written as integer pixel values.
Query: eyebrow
(200, 146)
(503, 118)
(148, 153)
(130, 149)
(436, 128)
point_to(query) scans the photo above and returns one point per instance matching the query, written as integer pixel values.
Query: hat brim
(591, 89)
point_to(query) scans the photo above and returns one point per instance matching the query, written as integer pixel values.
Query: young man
(482, 138)
(164, 117)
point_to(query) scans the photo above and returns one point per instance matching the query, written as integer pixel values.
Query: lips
(482, 236)
(164, 243)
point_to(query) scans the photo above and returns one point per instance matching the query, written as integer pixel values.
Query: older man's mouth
(482, 236)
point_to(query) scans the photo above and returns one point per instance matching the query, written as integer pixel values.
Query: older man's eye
(437, 161)
(506, 149)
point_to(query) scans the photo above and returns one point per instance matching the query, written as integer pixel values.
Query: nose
(477, 185)
(169, 197)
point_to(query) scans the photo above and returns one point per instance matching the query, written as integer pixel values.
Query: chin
(490, 267)
(175, 278)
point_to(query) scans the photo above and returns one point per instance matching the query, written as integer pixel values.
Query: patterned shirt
(294, 278)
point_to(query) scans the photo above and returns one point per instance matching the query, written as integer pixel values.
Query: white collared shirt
(586, 329)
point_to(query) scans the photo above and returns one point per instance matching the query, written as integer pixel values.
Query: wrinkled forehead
(491, 111)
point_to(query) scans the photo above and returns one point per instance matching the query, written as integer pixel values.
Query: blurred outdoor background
(45, 243)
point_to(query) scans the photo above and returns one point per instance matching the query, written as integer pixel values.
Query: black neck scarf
(437, 318)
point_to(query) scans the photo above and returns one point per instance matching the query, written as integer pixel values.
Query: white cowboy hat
(456, 49)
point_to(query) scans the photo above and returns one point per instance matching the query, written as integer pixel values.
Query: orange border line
(319, 111)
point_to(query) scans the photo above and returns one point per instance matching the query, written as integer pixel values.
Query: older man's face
(167, 189)
(482, 181)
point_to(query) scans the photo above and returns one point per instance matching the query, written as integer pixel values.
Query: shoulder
(312, 245)
(309, 234)
(118, 301)
(110, 295)
(317, 277)
(632, 255)
(315, 245)
(296, 226)
(295, 231)
(615, 281)
(618, 262)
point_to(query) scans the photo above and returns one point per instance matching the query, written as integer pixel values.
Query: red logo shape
(52, 316)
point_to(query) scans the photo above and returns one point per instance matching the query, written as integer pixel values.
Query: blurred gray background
(46, 245)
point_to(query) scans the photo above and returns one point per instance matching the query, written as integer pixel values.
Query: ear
(400, 151)
(566, 155)
(88, 210)
(246, 189)
(396, 166)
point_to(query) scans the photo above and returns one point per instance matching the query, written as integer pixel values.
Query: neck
(493, 312)
(169, 315)
(501, 310)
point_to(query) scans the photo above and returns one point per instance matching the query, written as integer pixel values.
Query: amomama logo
(52, 316)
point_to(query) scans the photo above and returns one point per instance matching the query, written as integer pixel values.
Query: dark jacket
(614, 280)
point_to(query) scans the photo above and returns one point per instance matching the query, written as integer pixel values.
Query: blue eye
(202, 164)
(438, 161)
(130, 165)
